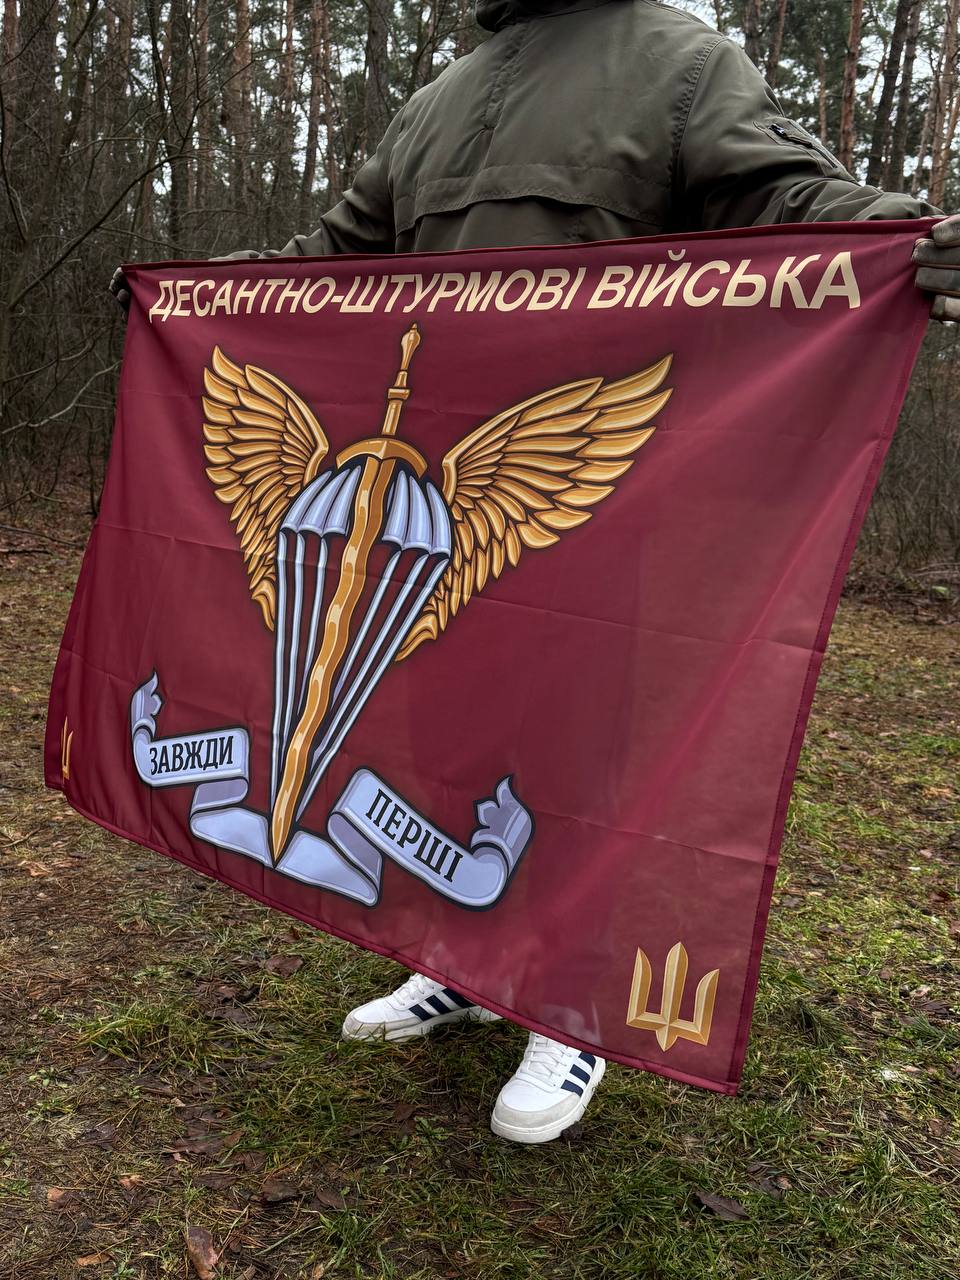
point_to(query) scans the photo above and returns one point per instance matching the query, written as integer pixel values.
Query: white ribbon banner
(370, 820)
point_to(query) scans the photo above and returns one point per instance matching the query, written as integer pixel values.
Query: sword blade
(368, 512)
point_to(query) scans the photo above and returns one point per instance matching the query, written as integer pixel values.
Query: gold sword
(382, 453)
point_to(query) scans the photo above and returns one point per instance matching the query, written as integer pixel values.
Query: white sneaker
(415, 1009)
(550, 1090)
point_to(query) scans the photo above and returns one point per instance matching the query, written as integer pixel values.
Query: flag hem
(728, 1087)
(765, 901)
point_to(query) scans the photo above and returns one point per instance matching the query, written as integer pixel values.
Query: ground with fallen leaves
(176, 1102)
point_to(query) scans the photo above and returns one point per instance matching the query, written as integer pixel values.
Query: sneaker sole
(547, 1133)
(354, 1029)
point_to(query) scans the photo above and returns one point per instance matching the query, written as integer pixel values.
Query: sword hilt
(399, 392)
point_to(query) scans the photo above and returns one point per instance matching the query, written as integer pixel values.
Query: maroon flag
(470, 606)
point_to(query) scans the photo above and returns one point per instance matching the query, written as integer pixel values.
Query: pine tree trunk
(822, 95)
(74, 73)
(929, 116)
(422, 70)
(31, 164)
(143, 212)
(463, 42)
(178, 121)
(204, 108)
(124, 52)
(330, 118)
(375, 115)
(752, 38)
(893, 173)
(883, 120)
(8, 70)
(309, 174)
(239, 114)
(848, 100)
(776, 44)
(288, 120)
(8, 40)
(945, 117)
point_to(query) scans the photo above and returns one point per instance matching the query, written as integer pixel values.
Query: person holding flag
(574, 122)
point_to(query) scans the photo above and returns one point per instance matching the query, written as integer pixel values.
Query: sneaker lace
(414, 989)
(545, 1061)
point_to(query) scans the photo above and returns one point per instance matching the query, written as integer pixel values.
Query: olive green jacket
(592, 120)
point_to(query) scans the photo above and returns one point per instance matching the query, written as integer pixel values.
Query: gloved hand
(241, 253)
(120, 289)
(939, 271)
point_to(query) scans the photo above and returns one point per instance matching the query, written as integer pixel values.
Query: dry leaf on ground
(58, 1198)
(203, 1257)
(216, 1179)
(277, 1191)
(328, 1200)
(725, 1208)
(206, 1143)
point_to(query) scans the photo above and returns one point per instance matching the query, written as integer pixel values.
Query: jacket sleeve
(362, 222)
(740, 162)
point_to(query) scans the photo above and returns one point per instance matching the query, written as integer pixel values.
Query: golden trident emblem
(66, 743)
(667, 1024)
(401, 554)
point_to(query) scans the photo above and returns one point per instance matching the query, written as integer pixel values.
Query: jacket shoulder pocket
(787, 133)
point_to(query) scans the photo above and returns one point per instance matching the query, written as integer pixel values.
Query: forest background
(141, 130)
(173, 1083)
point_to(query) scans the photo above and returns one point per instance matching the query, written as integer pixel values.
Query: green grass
(158, 1072)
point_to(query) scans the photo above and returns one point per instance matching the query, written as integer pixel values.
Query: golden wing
(530, 473)
(264, 446)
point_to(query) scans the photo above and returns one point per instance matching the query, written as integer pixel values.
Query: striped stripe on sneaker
(446, 1000)
(580, 1074)
(414, 1009)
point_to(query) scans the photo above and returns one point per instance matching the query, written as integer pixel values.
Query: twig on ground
(38, 533)
(10, 844)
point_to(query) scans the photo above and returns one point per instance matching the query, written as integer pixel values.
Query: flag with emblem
(470, 607)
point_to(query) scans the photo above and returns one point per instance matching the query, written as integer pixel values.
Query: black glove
(939, 272)
(120, 289)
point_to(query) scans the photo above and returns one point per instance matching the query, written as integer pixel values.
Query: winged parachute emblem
(356, 565)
